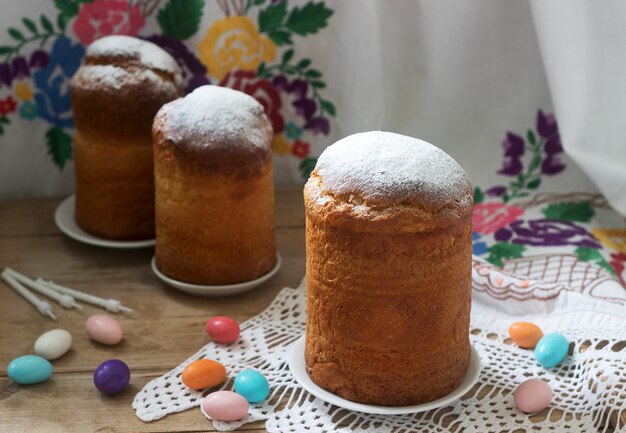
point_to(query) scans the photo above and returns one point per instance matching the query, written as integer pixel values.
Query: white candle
(112, 305)
(42, 306)
(66, 301)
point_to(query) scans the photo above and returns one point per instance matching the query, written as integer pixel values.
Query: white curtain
(459, 74)
(583, 49)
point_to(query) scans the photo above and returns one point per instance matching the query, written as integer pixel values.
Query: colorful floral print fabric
(250, 48)
(516, 218)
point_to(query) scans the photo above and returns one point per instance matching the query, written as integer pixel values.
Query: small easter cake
(115, 94)
(388, 270)
(214, 188)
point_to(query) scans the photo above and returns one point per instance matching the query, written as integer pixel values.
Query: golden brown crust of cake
(388, 295)
(114, 99)
(344, 210)
(114, 198)
(215, 223)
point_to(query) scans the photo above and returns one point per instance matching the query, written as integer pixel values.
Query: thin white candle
(66, 301)
(112, 305)
(42, 306)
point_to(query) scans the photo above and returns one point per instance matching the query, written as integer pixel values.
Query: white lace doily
(589, 387)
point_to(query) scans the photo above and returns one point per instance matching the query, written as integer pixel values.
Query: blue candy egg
(551, 349)
(252, 386)
(29, 369)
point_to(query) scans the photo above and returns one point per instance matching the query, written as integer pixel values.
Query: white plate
(66, 222)
(215, 291)
(297, 365)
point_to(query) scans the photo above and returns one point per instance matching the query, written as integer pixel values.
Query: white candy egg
(53, 344)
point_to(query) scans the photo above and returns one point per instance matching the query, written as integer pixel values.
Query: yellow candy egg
(525, 334)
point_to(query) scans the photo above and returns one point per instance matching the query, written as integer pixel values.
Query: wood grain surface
(166, 327)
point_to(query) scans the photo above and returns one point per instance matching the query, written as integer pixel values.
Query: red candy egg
(222, 329)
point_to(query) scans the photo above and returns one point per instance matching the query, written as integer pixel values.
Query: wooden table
(166, 327)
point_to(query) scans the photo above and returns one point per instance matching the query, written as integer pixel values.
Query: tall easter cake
(115, 94)
(214, 188)
(388, 270)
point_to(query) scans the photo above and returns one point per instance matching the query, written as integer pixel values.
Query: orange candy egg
(525, 334)
(204, 373)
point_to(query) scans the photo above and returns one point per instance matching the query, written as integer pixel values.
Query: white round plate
(297, 365)
(215, 291)
(66, 222)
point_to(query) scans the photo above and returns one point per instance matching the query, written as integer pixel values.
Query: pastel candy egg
(551, 349)
(53, 344)
(222, 329)
(204, 373)
(532, 396)
(29, 369)
(104, 329)
(525, 334)
(252, 385)
(225, 406)
(111, 377)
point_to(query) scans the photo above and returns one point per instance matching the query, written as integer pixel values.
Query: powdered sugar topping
(391, 168)
(114, 77)
(218, 117)
(149, 54)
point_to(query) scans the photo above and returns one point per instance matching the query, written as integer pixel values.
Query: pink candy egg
(104, 329)
(532, 396)
(225, 406)
(222, 329)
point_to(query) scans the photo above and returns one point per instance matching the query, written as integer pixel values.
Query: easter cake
(214, 188)
(115, 94)
(388, 270)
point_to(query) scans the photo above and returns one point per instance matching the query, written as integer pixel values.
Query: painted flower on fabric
(301, 149)
(548, 129)
(319, 125)
(618, 263)
(614, 239)
(297, 87)
(303, 105)
(496, 191)
(107, 17)
(546, 125)
(478, 248)
(23, 92)
(513, 146)
(552, 164)
(280, 145)
(194, 72)
(234, 43)
(262, 90)
(28, 110)
(7, 105)
(293, 131)
(489, 217)
(52, 82)
(19, 68)
(547, 232)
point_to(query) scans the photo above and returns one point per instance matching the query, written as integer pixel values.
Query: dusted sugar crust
(388, 287)
(120, 86)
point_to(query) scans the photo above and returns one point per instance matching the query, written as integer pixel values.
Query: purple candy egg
(111, 377)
